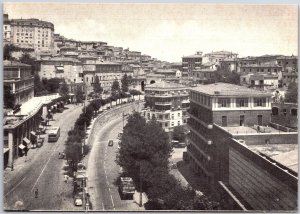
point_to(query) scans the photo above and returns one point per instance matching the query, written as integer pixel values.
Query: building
(260, 81)
(68, 68)
(289, 66)
(107, 73)
(190, 63)
(230, 64)
(285, 114)
(218, 56)
(33, 33)
(170, 73)
(230, 127)
(6, 29)
(168, 102)
(20, 79)
(204, 76)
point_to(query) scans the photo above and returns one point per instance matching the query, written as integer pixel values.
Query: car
(61, 155)
(110, 143)
(78, 201)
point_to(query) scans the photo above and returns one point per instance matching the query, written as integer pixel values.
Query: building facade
(260, 81)
(6, 29)
(204, 76)
(33, 33)
(18, 76)
(218, 56)
(289, 66)
(168, 103)
(190, 63)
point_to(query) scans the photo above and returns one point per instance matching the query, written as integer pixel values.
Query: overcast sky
(170, 31)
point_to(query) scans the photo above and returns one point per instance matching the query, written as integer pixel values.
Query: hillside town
(217, 131)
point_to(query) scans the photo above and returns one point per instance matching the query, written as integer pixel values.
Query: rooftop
(266, 64)
(288, 57)
(242, 130)
(285, 154)
(166, 85)
(7, 63)
(205, 70)
(226, 89)
(220, 53)
(166, 71)
(193, 56)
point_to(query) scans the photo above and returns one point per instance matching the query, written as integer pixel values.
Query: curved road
(102, 170)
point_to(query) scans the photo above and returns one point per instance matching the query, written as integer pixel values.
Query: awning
(21, 146)
(27, 142)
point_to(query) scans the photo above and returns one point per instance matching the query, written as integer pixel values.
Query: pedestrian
(36, 192)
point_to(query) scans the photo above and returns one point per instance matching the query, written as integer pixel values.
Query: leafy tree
(7, 52)
(97, 87)
(179, 133)
(115, 88)
(227, 76)
(52, 85)
(135, 92)
(292, 93)
(27, 59)
(73, 152)
(39, 88)
(64, 90)
(8, 97)
(79, 95)
(125, 83)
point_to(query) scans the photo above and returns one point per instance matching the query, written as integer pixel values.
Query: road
(43, 170)
(102, 170)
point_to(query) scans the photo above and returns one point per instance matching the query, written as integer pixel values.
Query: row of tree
(144, 155)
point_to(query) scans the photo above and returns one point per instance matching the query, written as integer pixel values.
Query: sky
(170, 31)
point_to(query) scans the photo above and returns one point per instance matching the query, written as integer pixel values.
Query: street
(42, 170)
(102, 170)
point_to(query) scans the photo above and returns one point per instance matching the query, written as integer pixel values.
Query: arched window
(275, 111)
(294, 112)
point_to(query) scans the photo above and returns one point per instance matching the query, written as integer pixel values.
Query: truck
(126, 187)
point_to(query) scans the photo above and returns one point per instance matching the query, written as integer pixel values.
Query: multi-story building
(168, 102)
(190, 63)
(6, 29)
(289, 66)
(33, 33)
(260, 81)
(204, 76)
(170, 73)
(268, 68)
(61, 67)
(217, 56)
(230, 64)
(20, 79)
(285, 114)
(107, 73)
(230, 132)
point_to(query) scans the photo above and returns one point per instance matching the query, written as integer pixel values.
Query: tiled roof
(8, 63)
(220, 52)
(226, 89)
(193, 56)
(288, 57)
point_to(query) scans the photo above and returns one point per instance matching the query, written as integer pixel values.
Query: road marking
(43, 169)
(15, 187)
(112, 201)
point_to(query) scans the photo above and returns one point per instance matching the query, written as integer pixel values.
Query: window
(224, 121)
(172, 116)
(259, 120)
(242, 102)
(223, 102)
(294, 112)
(166, 124)
(178, 114)
(274, 111)
(242, 120)
(172, 124)
(260, 102)
(178, 123)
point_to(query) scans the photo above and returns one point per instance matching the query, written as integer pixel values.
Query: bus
(54, 133)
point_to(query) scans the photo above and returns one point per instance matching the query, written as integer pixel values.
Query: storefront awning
(26, 140)
(21, 146)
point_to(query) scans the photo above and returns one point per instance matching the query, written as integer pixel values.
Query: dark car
(110, 143)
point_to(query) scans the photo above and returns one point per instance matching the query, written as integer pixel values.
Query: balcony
(163, 103)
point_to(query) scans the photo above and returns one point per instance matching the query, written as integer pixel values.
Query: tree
(292, 93)
(97, 87)
(9, 99)
(79, 95)
(64, 90)
(39, 88)
(115, 88)
(52, 85)
(227, 76)
(179, 133)
(125, 83)
(27, 59)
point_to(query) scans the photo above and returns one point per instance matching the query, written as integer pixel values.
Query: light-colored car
(77, 201)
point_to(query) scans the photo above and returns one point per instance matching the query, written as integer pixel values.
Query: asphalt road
(102, 170)
(42, 170)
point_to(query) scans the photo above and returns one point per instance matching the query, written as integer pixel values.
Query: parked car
(110, 143)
